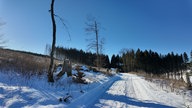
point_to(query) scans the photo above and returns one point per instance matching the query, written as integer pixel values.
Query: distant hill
(23, 62)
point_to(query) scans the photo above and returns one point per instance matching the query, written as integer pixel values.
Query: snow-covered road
(127, 90)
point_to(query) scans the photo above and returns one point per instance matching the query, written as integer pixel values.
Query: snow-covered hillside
(121, 90)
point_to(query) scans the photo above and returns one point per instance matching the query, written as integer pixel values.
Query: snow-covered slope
(118, 91)
(18, 91)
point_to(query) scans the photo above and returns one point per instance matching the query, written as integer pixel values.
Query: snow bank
(19, 91)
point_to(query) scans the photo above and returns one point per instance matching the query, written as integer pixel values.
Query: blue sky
(159, 25)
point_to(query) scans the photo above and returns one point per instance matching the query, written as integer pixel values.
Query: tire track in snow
(141, 92)
(131, 91)
(123, 91)
(123, 94)
(88, 99)
(144, 91)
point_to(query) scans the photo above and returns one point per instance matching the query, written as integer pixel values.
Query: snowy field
(118, 91)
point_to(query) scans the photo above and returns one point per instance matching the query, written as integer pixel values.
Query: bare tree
(2, 41)
(93, 26)
(50, 71)
(53, 16)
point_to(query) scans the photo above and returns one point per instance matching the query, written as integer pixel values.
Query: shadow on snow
(130, 101)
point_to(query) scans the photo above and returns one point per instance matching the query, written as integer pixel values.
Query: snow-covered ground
(118, 91)
(17, 91)
(127, 91)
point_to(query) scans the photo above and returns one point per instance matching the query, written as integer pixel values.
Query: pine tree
(185, 57)
(106, 62)
(113, 61)
(191, 60)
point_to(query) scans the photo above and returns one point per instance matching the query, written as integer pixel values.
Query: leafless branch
(91, 46)
(2, 41)
(65, 26)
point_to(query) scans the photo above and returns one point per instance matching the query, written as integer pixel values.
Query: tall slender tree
(93, 26)
(185, 57)
(184, 60)
(113, 61)
(191, 59)
(50, 71)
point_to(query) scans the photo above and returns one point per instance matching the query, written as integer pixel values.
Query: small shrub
(95, 70)
(78, 77)
(60, 99)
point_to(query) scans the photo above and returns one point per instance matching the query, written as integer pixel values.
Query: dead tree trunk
(93, 27)
(50, 71)
(97, 45)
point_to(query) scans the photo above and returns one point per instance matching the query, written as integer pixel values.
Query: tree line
(130, 60)
(150, 62)
(82, 57)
